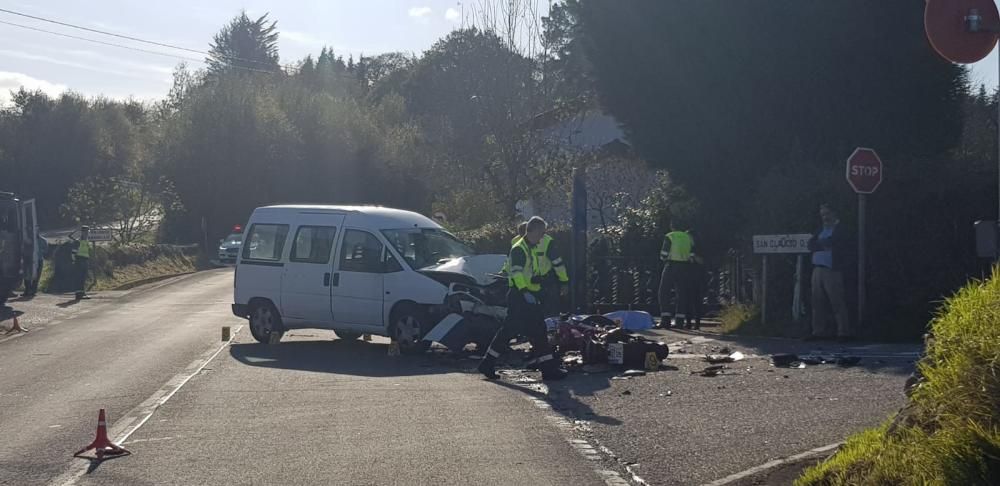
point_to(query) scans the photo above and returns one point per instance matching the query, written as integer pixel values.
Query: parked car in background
(229, 247)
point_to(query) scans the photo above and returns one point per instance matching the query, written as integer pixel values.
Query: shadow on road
(357, 358)
(68, 303)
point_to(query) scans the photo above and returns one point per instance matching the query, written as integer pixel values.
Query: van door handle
(336, 279)
(326, 279)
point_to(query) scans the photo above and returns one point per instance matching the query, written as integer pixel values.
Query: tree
(565, 64)
(245, 45)
(475, 99)
(133, 209)
(719, 92)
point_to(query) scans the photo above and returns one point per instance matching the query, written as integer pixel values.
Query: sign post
(796, 244)
(864, 174)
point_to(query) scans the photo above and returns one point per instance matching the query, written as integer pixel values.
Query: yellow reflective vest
(547, 264)
(523, 267)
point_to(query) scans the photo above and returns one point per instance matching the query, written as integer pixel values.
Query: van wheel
(407, 328)
(265, 324)
(347, 335)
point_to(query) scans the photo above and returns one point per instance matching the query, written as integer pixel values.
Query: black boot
(551, 371)
(486, 367)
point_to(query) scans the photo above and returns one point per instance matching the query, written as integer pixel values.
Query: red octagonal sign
(864, 170)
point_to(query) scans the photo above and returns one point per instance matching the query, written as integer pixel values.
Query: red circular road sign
(947, 28)
(864, 170)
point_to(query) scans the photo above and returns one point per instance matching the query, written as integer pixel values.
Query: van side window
(390, 264)
(265, 242)
(360, 252)
(313, 244)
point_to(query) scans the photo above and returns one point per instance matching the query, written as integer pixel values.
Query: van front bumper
(241, 310)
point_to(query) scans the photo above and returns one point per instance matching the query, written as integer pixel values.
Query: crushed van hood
(476, 267)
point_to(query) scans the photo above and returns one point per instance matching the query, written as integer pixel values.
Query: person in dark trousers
(553, 276)
(81, 261)
(676, 253)
(31, 286)
(832, 259)
(698, 286)
(524, 309)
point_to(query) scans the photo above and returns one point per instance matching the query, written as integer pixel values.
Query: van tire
(407, 328)
(265, 323)
(347, 335)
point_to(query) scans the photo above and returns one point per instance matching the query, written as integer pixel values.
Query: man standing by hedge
(81, 261)
(832, 259)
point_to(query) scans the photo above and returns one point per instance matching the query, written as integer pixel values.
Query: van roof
(382, 217)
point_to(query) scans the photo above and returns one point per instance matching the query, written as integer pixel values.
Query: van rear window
(265, 242)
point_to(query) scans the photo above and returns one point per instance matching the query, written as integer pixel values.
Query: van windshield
(423, 247)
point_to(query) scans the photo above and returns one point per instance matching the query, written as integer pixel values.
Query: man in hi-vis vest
(524, 309)
(677, 254)
(81, 261)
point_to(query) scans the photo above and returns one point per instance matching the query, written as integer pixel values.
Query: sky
(53, 64)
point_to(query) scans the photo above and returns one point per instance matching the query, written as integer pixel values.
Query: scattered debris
(784, 360)
(631, 373)
(621, 377)
(794, 361)
(627, 392)
(725, 358)
(711, 371)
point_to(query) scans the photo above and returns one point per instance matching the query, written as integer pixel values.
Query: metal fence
(632, 283)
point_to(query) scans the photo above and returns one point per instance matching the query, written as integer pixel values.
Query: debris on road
(724, 358)
(795, 361)
(631, 373)
(711, 371)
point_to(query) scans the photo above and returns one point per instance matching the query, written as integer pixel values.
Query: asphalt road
(315, 409)
(310, 410)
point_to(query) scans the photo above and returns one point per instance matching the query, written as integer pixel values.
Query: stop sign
(864, 170)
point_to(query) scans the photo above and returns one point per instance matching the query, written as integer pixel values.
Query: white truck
(18, 249)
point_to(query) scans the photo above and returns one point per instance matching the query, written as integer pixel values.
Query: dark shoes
(486, 368)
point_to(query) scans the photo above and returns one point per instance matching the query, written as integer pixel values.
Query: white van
(355, 270)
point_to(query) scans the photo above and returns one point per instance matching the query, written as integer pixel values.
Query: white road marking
(124, 427)
(773, 464)
(582, 447)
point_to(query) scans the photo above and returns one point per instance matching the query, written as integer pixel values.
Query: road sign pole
(763, 293)
(862, 209)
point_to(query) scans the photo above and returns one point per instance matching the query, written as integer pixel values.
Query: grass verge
(949, 431)
(159, 267)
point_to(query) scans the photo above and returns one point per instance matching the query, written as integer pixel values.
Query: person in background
(676, 253)
(31, 286)
(831, 250)
(81, 261)
(696, 293)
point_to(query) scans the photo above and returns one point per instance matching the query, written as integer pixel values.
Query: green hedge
(949, 432)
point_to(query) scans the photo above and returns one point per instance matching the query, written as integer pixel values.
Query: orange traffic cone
(102, 445)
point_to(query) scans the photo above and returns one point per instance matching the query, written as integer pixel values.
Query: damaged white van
(355, 270)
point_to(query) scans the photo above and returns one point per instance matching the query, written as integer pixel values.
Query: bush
(117, 265)
(495, 238)
(949, 432)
